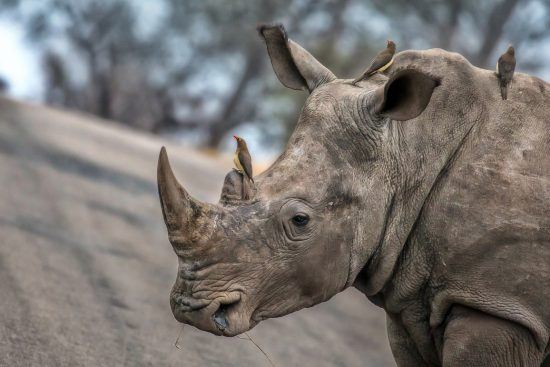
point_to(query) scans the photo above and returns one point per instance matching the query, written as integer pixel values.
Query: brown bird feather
(380, 63)
(243, 163)
(243, 155)
(505, 70)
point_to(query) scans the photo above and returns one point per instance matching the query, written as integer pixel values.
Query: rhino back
(487, 219)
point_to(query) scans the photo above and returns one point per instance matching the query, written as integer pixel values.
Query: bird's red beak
(235, 136)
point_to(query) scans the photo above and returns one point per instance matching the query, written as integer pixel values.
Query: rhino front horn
(177, 206)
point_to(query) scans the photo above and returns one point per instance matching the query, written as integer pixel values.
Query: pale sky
(19, 65)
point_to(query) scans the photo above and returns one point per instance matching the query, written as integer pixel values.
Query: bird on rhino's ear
(295, 67)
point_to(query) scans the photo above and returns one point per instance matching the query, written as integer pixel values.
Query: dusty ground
(86, 268)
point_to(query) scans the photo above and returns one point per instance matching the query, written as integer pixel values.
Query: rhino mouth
(225, 316)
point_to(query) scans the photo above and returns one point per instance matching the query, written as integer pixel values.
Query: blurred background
(93, 88)
(196, 70)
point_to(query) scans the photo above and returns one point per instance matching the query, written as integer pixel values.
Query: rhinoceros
(420, 187)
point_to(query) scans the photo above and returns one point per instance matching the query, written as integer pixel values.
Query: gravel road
(86, 267)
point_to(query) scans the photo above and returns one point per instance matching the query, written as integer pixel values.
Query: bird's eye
(300, 220)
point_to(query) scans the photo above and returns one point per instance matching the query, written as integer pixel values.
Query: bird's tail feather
(245, 188)
(503, 91)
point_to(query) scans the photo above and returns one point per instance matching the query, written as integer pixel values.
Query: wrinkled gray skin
(423, 189)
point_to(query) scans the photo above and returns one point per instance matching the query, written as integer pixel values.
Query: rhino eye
(297, 219)
(300, 220)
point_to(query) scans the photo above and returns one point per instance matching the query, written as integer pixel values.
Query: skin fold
(421, 187)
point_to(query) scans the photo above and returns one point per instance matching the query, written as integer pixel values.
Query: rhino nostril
(220, 316)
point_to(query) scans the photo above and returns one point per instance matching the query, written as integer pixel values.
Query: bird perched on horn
(243, 164)
(381, 62)
(505, 70)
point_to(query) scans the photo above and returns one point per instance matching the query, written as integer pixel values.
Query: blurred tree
(202, 68)
(4, 85)
(58, 90)
(224, 34)
(473, 28)
(198, 65)
(92, 51)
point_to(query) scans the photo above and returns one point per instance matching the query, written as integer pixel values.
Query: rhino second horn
(177, 206)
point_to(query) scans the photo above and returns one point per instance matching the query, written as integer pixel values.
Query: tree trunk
(104, 96)
(495, 26)
(228, 119)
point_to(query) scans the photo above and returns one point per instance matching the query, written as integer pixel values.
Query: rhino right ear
(295, 67)
(405, 95)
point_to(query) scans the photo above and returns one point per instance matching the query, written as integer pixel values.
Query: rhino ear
(295, 67)
(405, 95)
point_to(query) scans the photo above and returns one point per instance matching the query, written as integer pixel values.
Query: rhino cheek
(328, 270)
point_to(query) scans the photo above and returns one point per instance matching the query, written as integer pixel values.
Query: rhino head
(333, 211)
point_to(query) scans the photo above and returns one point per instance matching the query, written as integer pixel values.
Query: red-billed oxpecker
(243, 164)
(381, 62)
(505, 70)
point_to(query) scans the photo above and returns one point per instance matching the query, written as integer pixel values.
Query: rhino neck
(422, 165)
